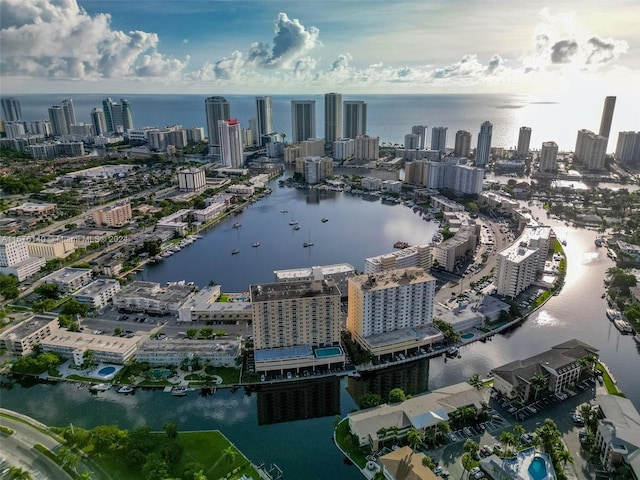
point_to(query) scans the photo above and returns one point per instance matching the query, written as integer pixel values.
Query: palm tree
(475, 381)
(538, 382)
(518, 431)
(230, 454)
(565, 456)
(415, 438)
(508, 438)
(17, 473)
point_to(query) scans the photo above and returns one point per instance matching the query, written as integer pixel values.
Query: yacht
(125, 389)
(255, 245)
(452, 351)
(179, 391)
(296, 227)
(612, 314)
(622, 325)
(235, 251)
(100, 387)
(236, 225)
(598, 242)
(324, 220)
(309, 243)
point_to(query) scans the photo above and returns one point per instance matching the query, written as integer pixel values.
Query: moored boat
(179, 391)
(125, 389)
(255, 245)
(612, 314)
(235, 251)
(100, 387)
(622, 325)
(324, 220)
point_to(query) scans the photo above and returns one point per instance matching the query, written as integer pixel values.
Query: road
(18, 449)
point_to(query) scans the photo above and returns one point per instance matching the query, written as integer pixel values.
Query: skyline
(259, 47)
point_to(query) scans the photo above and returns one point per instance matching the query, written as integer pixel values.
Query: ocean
(388, 116)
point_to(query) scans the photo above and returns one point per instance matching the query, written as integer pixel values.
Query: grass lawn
(80, 378)
(608, 382)
(229, 375)
(346, 442)
(208, 449)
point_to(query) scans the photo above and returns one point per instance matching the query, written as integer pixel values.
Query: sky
(577, 47)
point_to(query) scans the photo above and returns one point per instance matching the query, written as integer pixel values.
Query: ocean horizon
(388, 116)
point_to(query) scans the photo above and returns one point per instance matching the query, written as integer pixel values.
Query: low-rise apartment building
(50, 246)
(416, 256)
(20, 339)
(70, 279)
(98, 293)
(460, 246)
(219, 353)
(115, 215)
(152, 297)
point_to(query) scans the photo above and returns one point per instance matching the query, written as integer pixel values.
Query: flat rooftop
(152, 290)
(95, 287)
(392, 278)
(284, 353)
(28, 326)
(66, 274)
(77, 340)
(307, 272)
(285, 291)
(190, 346)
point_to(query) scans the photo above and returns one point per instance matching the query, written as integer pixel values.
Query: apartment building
(338, 273)
(20, 339)
(151, 297)
(50, 246)
(115, 215)
(98, 293)
(416, 256)
(70, 279)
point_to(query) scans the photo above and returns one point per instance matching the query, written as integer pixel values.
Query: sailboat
(292, 221)
(309, 243)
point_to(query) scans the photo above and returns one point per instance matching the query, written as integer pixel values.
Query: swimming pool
(106, 371)
(160, 372)
(468, 335)
(538, 469)
(328, 352)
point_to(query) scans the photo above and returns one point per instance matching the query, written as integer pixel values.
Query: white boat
(235, 251)
(622, 325)
(100, 387)
(296, 227)
(612, 314)
(255, 245)
(125, 389)
(179, 391)
(324, 220)
(309, 243)
(236, 225)
(452, 351)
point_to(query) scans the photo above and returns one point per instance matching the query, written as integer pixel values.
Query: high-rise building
(264, 116)
(416, 172)
(11, 109)
(115, 215)
(344, 148)
(231, 146)
(484, 144)
(439, 138)
(15, 259)
(518, 265)
(524, 140)
(14, 129)
(463, 144)
(69, 113)
(314, 169)
(40, 127)
(216, 109)
(303, 120)
(421, 131)
(548, 157)
(332, 117)
(590, 150)
(367, 148)
(355, 118)
(607, 117)
(58, 122)
(467, 179)
(192, 180)
(412, 141)
(397, 301)
(98, 121)
(118, 116)
(628, 148)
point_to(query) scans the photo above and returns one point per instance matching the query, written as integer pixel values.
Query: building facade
(524, 140)
(421, 131)
(303, 120)
(264, 115)
(98, 293)
(628, 148)
(231, 145)
(216, 109)
(355, 119)
(548, 157)
(483, 150)
(416, 256)
(463, 144)
(439, 139)
(11, 110)
(590, 150)
(332, 117)
(50, 246)
(367, 148)
(607, 117)
(192, 180)
(70, 279)
(116, 215)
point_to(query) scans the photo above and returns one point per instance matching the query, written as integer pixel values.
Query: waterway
(293, 426)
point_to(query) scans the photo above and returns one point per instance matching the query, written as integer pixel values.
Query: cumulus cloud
(57, 38)
(562, 51)
(292, 40)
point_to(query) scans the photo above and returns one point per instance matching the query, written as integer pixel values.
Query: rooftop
(402, 335)
(66, 274)
(28, 326)
(191, 346)
(96, 287)
(283, 353)
(308, 271)
(169, 294)
(103, 343)
(392, 278)
(285, 291)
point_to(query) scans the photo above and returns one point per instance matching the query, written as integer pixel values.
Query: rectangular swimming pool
(328, 352)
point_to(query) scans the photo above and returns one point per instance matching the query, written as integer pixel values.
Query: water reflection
(300, 400)
(412, 377)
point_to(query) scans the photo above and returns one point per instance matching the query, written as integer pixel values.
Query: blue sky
(353, 46)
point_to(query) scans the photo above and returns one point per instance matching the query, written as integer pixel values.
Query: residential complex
(628, 148)
(15, 259)
(98, 293)
(332, 117)
(11, 110)
(355, 119)
(416, 256)
(421, 132)
(366, 148)
(548, 157)
(562, 368)
(151, 297)
(388, 311)
(118, 116)
(303, 120)
(314, 169)
(168, 352)
(50, 246)
(231, 143)
(590, 150)
(607, 118)
(463, 144)
(524, 140)
(205, 306)
(216, 109)
(115, 215)
(462, 245)
(290, 322)
(70, 279)
(519, 264)
(264, 118)
(439, 139)
(484, 144)
(20, 339)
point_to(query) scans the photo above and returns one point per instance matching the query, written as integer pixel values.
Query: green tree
(230, 454)
(369, 400)
(48, 290)
(192, 333)
(117, 331)
(427, 462)
(475, 381)
(142, 439)
(470, 446)
(564, 456)
(17, 473)
(172, 453)
(73, 307)
(539, 382)
(206, 332)
(68, 458)
(397, 395)
(9, 287)
(171, 429)
(467, 462)
(155, 468)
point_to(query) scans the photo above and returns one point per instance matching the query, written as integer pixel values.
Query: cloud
(292, 40)
(58, 39)
(562, 51)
